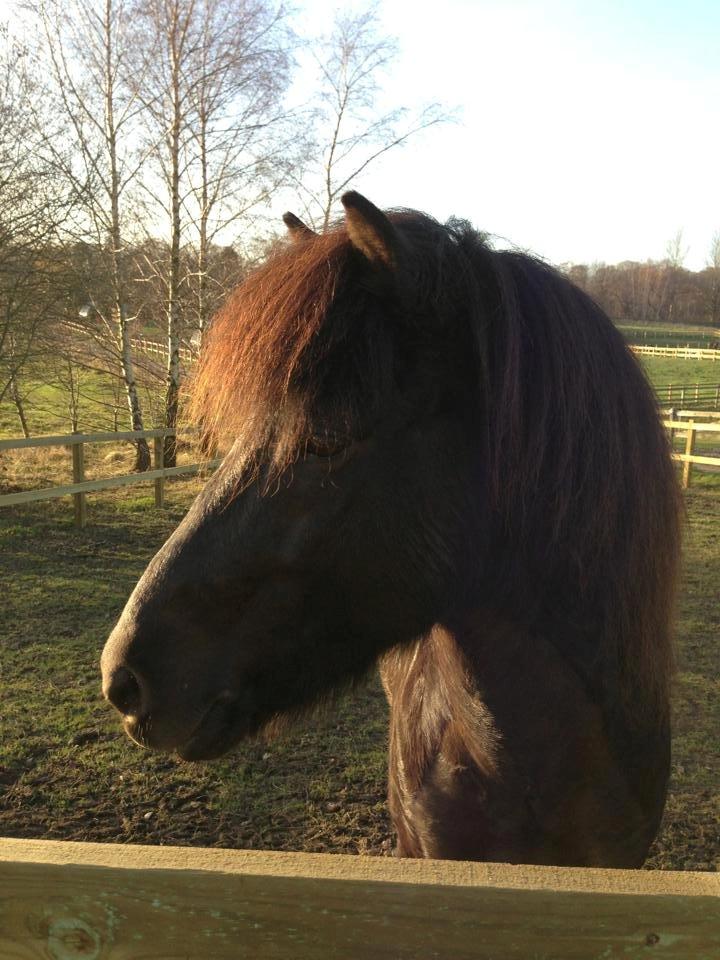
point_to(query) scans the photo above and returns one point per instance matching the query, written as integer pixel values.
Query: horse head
(346, 507)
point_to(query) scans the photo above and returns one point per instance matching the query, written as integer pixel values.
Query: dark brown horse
(444, 459)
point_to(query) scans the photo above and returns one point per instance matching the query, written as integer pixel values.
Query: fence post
(159, 450)
(672, 412)
(78, 464)
(689, 450)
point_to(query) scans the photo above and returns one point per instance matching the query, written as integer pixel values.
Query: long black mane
(580, 481)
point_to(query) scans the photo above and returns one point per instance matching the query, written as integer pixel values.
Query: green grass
(66, 771)
(101, 405)
(665, 370)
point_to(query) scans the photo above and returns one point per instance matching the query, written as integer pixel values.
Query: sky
(587, 132)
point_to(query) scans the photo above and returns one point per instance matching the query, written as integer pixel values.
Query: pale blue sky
(589, 131)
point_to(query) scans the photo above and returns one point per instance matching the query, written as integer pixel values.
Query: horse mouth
(224, 725)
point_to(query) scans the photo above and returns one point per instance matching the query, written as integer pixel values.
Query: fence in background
(683, 353)
(80, 486)
(158, 349)
(685, 423)
(704, 396)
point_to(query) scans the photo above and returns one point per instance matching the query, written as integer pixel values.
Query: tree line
(141, 145)
(655, 292)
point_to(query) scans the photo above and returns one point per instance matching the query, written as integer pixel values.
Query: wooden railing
(688, 423)
(685, 422)
(80, 486)
(158, 349)
(78, 900)
(686, 353)
(701, 395)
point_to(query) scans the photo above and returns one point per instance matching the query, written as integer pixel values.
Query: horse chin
(225, 724)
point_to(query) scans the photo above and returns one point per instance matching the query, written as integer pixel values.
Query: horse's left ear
(370, 231)
(296, 228)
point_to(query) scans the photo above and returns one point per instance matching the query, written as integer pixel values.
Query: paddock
(68, 901)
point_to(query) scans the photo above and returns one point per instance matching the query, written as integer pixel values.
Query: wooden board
(101, 902)
(124, 480)
(69, 439)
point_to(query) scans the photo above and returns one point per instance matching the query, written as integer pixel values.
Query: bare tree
(85, 45)
(211, 92)
(676, 253)
(352, 61)
(238, 152)
(31, 206)
(675, 250)
(713, 291)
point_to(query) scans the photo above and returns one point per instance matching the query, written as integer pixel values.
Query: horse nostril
(123, 692)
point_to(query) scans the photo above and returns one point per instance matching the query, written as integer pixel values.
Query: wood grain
(70, 901)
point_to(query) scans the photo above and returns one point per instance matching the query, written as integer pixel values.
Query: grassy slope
(101, 404)
(67, 772)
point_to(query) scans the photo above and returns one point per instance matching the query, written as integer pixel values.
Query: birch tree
(238, 151)
(86, 49)
(216, 72)
(713, 287)
(352, 62)
(31, 206)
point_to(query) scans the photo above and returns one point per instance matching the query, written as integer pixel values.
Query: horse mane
(581, 482)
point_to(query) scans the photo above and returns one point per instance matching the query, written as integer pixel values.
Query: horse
(442, 459)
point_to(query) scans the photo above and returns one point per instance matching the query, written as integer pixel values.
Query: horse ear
(370, 231)
(296, 228)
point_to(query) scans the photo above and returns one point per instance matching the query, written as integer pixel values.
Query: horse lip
(218, 730)
(136, 732)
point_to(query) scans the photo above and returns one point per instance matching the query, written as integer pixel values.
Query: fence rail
(73, 900)
(677, 422)
(683, 422)
(156, 348)
(686, 353)
(700, 395)
(80, 486)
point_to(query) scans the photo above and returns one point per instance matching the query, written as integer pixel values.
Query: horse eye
(326, 445)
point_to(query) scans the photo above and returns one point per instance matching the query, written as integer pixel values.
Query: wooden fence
(685, 423)
(158, 349)
(678, 422)
(703, 396)
(80, 486)
(69, 901)
(683, 353)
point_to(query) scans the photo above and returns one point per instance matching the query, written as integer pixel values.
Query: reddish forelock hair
(257, 340)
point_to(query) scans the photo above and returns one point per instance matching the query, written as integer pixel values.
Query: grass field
(67, 772)
(101, 403)
(665, 370)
